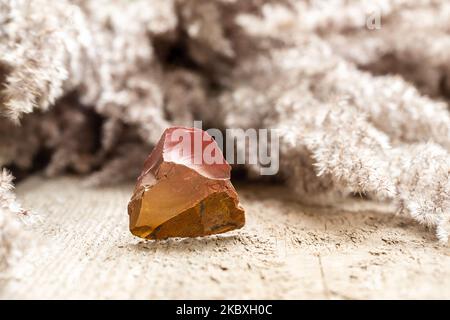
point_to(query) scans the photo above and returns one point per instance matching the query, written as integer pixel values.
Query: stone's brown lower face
(176, 196)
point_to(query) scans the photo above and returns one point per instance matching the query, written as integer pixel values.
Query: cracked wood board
(82, 249)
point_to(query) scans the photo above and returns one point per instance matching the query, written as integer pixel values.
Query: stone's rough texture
(179, 195)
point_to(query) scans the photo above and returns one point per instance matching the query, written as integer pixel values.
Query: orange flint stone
(181, 192)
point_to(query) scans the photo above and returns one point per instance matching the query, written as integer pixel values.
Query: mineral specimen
(184, 189)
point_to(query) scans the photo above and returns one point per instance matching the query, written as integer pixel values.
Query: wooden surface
(82, 249)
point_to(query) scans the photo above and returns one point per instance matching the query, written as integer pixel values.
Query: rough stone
(181, 192)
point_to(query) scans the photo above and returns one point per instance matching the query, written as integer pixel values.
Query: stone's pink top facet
(191, 147)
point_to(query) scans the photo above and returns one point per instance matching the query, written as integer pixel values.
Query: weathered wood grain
(82, 249)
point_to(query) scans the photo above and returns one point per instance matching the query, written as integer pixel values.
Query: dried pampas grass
(11, 227)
